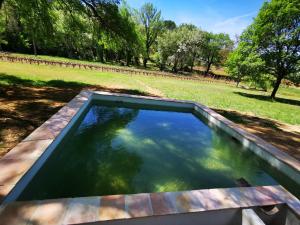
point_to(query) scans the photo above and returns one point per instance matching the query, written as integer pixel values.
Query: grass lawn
(216, 95)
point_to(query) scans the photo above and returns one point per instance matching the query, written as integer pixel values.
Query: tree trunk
(208, 68)
(276, 86)
(161, 66)
(192, 67)
(34, 47)
(145, 60)
(137, 60)
(99, 53)
(175, 70)
(238, 80)
(128, 58)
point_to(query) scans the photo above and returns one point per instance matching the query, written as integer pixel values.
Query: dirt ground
(24, 108)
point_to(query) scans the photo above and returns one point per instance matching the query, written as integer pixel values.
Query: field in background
(216, 95)
(218, 71)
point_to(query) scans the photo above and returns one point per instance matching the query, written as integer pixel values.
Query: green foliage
(2, 29)
(244, 64)
(151, 25)
(180, 48)
(215, 49)
(169, 25)
(36, 20)
(100, 30)
(110, 31)
(295, 77)
(274, 39)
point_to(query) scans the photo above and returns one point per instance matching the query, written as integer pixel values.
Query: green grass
(215, 95)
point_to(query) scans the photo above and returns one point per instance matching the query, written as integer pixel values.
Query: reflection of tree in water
(95, 167)
(119, 151)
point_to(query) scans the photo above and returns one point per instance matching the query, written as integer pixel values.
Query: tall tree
(245, 64)
(180, 48)
(214, 49)
(2, 29)
(105, 12)
(36, 19)
(276, 36)
(150, 18)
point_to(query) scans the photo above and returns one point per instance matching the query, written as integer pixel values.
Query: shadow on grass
(25, 104)
(269, 99)
(16, 81)
(284, 137)
(247, 119)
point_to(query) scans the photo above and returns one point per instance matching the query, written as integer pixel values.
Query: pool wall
(21, 164)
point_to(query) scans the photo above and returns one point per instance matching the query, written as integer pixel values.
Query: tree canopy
(107, 30)
(111, 31)
(215, 49)
(273, 40)
(151, 25)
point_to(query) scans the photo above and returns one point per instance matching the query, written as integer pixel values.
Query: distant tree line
(107, 31)
(267, 52)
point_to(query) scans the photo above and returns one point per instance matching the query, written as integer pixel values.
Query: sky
(227, 16)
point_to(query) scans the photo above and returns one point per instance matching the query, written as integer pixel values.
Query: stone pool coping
(120, 207)
(19, 165)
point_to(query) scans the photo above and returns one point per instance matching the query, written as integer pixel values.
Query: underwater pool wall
(278, 159)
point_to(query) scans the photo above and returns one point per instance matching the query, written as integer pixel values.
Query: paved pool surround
(20, 165)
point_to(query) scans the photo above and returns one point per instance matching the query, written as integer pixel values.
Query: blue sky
(229, 16)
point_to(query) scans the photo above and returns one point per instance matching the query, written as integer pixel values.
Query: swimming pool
(120, 147)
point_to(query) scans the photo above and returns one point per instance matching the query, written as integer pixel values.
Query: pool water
(121, 149)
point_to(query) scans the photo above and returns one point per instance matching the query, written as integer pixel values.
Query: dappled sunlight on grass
(217, 95)
(225, 96)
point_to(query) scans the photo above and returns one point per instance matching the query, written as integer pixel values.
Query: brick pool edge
(19, 166)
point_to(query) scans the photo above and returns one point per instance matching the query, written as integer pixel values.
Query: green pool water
(122, 149)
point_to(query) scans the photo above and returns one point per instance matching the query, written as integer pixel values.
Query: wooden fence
(114, 69)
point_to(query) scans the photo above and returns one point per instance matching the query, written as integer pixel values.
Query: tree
(169, 25)
(214, 49)
(180, 47)
(192, 41)
(234, 64)
(72, 31)
(2, 30)
(244, 63)
(150, 19)
(35, 18)
(104, 11)
(276, 37)
(130, 42)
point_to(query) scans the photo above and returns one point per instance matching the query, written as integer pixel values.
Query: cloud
(234, 25)
(214, 21)
(209, 18)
